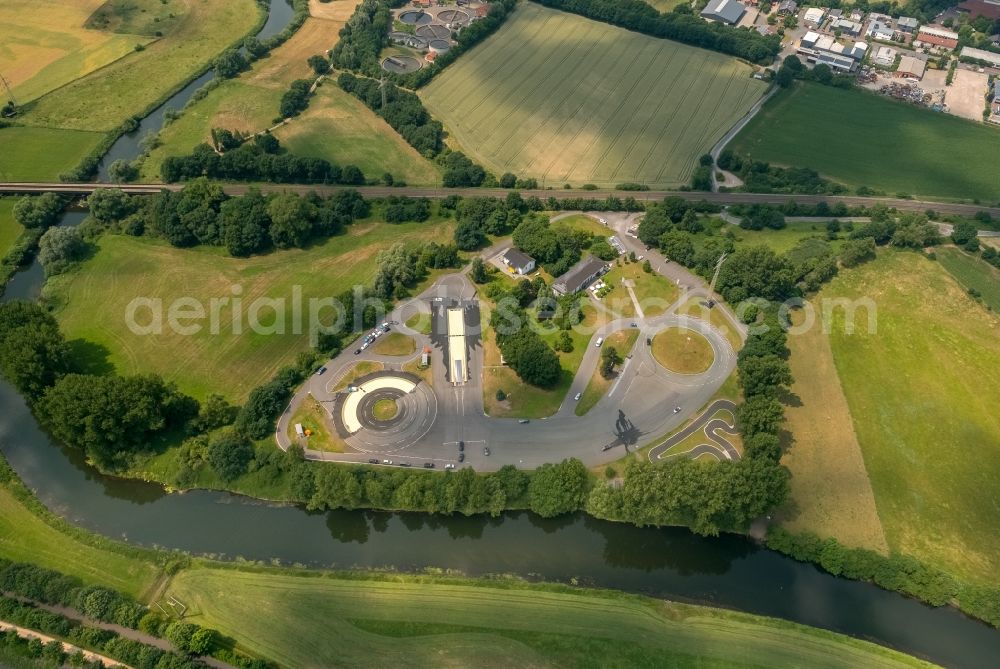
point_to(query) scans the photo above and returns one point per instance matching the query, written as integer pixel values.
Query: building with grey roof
(580, 276)
(724, 11)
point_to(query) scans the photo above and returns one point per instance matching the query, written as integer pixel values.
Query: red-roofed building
(937, 37)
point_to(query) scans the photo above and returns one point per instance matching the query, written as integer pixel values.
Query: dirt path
(70, 649)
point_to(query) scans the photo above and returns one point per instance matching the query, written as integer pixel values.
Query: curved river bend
(728, 571)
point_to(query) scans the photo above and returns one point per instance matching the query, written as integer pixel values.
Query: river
(127, 147)
(728, 571)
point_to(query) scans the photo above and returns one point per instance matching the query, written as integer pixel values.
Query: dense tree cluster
(681, 25)
(479, 217)
(59, 248)
(403, 111)
(33, 352)
(401, 266)
(295, 100)
(761, 177)
(363, 37)
(201, 213)
(901, 229)
(39, 212)
(262, 159)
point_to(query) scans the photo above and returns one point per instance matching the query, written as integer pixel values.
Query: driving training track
(721, 449)
(380, 191)
(637, 409)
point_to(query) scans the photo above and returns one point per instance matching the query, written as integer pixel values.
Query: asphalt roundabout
(387, 412)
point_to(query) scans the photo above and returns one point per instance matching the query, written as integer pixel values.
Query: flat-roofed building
(458, 359)
(981, 54)
(907, 24)
(579, 276)
(885, 56)
(813, 15)
(911, 68)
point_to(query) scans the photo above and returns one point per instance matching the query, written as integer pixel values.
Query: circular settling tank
(439, 45)
(453, 16)
(416, 18)
(435, 31)
(401, 64)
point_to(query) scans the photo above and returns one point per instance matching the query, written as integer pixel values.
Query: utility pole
(715, 277)
(10, 94)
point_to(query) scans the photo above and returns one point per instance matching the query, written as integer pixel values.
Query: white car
(449, 466)
(576, 398)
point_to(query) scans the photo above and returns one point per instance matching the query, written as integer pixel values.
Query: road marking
(621, 375)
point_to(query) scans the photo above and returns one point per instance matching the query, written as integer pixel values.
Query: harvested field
(44, 45)
(564, 99)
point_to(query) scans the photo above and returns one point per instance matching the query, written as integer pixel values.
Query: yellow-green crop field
(564, 99)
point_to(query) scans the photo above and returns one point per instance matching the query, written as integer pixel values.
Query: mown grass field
(623, 341)
(695, 307)
(564, 99)
(92, 302)
(40, 154)
(784, 240)
(104, 98)
(406, 621)
(313, 417)
(10, 229)
(973, 273)
(24, 537)
(682, 351)
(922, 391)
(44, 45)
(883, 144)
(336, 126)
(395, 343)
(654, 292)
(831, 494)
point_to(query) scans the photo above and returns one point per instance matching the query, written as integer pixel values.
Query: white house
(518, 262)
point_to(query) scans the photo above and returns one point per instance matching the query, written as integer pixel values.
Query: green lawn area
(922, 391)
(784, 240)
(93, 302)
(25, 537)
(972, 272)
(313, 417)
(623, 340)
(653, 291)
(395, 343)
(695, 307)
(586, 224)
(107, 96)
(356, 372)
(419, 323)
(883, 144)
(565, 99)
(682, 350)
(413, 621)
(10, 229)
(40, 154)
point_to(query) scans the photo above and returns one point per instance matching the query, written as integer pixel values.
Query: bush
(229, 454)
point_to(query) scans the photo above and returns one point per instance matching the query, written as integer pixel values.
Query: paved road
(384, 191)
(712, 427)
(631, 414)
(728, 137)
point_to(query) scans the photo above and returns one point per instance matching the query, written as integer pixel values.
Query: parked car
(404, 464)
(387, 462)
(449, 466)
(320, 371)
(461, 457)
(461, 446)
(357, 351)
(373, 461)
(523, 421)
(486, 451)
(428, 465)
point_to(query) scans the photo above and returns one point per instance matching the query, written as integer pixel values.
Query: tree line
(259, 159)
(681, 25)
(45, 586)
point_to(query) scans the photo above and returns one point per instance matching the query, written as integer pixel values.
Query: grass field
(830, 491)
(419, 323)
(93, 302)
(312, 416)
(10, 229)
(682, 351)
(24, 537)
(395, 343)
(104, 98)
(785, 239)
(972, 272)
(356, 372)
(922, 392)
(46, 45)
(405, 621)
(883, 144)
(695, 307)
(653, 291)
(623, 341)
(565, 99)
(336, 126)
(40, 154)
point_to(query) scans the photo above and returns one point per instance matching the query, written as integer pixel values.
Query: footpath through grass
(414, 621)
(93, 301)
(922, 393)
(882, 144)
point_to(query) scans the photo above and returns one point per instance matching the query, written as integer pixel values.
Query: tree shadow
(90, 358)
(788, 398)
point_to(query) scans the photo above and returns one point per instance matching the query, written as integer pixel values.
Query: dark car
(405, 464)
(486, 451)
(357, 351)
(320, 371)
(461, 446)
(428, 465)
(373, 461)
(461, 457)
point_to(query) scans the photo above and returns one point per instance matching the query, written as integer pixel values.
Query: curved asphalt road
(721, 449)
